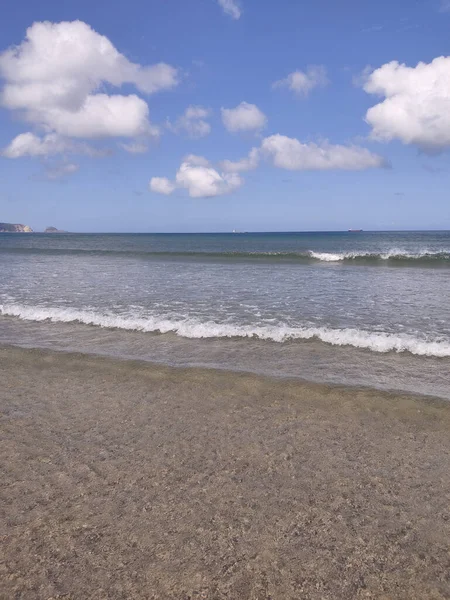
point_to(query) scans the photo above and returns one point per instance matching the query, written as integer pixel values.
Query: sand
(129, 480)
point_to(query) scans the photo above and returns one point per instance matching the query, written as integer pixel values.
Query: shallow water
(351, 308)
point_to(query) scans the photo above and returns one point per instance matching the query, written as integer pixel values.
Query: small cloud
(245, 117)
(292, 154)
(192, 122)
(399, 193)
(303, 82)
(162, 185)
(199, 178)
(245, 164)
(230, 8)
(29, 144)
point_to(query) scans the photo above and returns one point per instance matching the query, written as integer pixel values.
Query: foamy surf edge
(393, 254)
(196, 329)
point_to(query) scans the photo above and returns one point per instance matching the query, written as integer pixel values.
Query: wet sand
(124, 480)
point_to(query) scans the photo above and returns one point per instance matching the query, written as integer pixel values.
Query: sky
(214, 115)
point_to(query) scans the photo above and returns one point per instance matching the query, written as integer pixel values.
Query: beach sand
(130, 480)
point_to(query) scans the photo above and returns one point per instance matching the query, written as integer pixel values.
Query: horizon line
(231, 232)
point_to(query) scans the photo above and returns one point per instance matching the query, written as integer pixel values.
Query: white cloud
(204, 181)
(55, 80)
(199, 178)
(416, 109)
(245, 164)
(197, 161)
(245, 117)
(302, 82)
(290, 153)
(162, 185)
(102, 116)
(192, 122)
(29, 144)
(231, 8)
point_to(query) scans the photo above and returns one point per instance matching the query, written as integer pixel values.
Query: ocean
(360, 309)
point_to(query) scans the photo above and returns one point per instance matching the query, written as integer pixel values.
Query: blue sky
(321, 161)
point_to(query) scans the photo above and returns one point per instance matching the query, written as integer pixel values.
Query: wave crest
(395, 255)
(195, 329)
(390, 256)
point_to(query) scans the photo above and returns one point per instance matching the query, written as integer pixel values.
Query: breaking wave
(390, 256)
(194, 328)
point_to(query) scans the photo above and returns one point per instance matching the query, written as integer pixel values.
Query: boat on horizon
(355, 230)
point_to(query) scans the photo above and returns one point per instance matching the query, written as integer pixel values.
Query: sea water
(364, 308)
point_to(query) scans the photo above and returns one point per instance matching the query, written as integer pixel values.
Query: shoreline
(54, 345)
(143, 363)
(124, 479)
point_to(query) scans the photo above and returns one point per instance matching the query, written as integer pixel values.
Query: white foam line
(393, 253)
(193, 328)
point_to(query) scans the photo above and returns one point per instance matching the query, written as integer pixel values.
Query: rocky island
(54, 230)
(14, 228)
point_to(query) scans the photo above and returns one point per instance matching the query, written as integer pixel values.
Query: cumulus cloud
(230, 8)
(162, 185)
(245, 117)
(102, 116)
(416, 108)
(204, 181)
(55, 80)
(303, 82)
(192, 122)
(29, 144)
(199, 178)
(245, 164)
(197, 161)
(290, 153)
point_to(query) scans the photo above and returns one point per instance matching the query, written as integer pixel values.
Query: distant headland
(15, 228)
(54, 230)
(19, 228)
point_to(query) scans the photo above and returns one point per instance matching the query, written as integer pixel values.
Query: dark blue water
(414, 248)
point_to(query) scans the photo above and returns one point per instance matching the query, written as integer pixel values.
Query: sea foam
(196, 329)
(391, 254)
